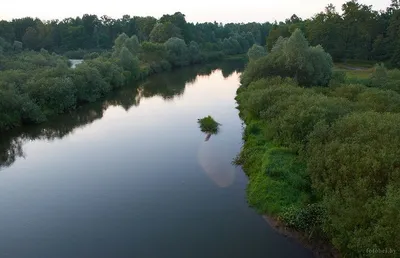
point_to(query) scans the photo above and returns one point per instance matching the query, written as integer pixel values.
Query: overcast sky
(195, 11)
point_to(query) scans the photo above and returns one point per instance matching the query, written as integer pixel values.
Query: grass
(277, 178)
(355, 71)
(208, 125)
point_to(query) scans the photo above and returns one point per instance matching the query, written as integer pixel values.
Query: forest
(321, 143)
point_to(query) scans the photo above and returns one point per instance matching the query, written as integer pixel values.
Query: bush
(208, 125)
(354, 166)
(53, 95)
(309, 218)
(89, 83)
(16, 109)
(109, 70)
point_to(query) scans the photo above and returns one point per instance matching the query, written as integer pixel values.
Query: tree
(292, 57)
(17, 46)
(4, 45)
(129, 62)
(163, 31)
(133, 45)
(256, 52)
(89, 83)
(275, 34)
(194, 51)
(177, 52)
(144, 27)
(178, 19)
(119, 43)
(30, 38)
(153, 52)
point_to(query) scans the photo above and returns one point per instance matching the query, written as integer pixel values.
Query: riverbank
(320, 248)
(279, 187)
(37, 86)
(311, 153)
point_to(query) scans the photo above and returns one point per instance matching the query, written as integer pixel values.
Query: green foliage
(379, 76)
(53, 95)
(123, 43)
(277, 178)
(164, 31)
(4, 46)
(133, 45)
(256, 52)
(353, 164)
(17, 46)
(75, 54)
(208, 125)
(89, 83)
(293, 58)
(309, 218)
(336, 175)
(41, 84)
(16, 109)
(194, 52)
(177, 52)
(119, 43)
(129, 62)
(109, 70)
(153, 52)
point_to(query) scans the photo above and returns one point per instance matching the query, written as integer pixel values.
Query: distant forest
(359, 32)
(90, 32)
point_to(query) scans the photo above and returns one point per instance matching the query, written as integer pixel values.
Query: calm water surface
(132, 176)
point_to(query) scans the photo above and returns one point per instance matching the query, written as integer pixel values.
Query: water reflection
(217, 168)
(167, 85)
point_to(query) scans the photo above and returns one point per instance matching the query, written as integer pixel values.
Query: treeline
(357, 33)
(91, 32)
(321, 152)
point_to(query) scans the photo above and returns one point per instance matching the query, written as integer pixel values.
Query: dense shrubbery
(208, 125)
(336, 172)
(292, 57)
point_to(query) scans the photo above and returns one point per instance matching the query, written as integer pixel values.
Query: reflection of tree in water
(167, 85)
(10, 151)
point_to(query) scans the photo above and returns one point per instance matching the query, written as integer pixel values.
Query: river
(132, 176)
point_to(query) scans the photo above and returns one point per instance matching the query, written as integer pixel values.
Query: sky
(196, 11)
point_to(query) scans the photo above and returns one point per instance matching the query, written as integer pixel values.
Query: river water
(132, 176)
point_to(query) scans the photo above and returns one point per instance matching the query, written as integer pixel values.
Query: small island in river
(208, 125)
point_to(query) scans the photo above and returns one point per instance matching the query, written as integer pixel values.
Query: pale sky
(196, 11)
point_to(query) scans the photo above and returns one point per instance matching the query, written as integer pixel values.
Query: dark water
(132, 176)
